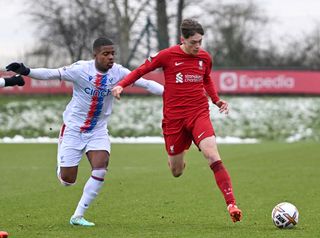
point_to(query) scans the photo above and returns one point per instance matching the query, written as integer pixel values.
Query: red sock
(223, 181)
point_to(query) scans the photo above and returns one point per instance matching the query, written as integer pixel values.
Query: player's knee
(177, 169)
(176, 173)
(66, 180)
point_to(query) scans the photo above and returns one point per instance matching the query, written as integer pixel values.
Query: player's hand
(116, 91)
(14, 80)
(18, 68)
(223, 106)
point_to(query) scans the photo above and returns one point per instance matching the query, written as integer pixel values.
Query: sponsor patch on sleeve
(152, 56)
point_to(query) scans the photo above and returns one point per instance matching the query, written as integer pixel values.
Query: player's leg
(98, 155)
(205, 139)
(209, 149)
(176, 144)
(67, 175)
(176, 164)
(68, 156)
(99, 161)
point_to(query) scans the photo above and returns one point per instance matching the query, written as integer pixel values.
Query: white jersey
(91, 102)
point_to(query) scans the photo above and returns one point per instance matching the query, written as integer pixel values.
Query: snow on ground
(285, 119)
(125, 140)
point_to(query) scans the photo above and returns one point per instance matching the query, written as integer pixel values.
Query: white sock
(90, 191)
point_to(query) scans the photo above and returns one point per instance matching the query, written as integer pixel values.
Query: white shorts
(72, 144)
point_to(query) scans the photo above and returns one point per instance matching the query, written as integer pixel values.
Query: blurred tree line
(236, 33)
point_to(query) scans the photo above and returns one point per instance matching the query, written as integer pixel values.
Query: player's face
(192, 44)
(104, 58)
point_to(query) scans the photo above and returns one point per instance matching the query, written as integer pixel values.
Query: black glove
(18, 68)
(14, 80)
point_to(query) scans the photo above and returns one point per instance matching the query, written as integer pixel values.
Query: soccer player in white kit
(85, 117)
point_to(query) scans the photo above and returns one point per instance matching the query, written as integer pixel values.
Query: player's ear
(181, 39)
(95, 53)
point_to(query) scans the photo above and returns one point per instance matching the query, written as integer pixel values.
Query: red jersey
(187, 79)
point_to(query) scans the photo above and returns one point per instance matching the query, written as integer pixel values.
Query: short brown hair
(190, 27)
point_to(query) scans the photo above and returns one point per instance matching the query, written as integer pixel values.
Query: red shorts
(179, 133)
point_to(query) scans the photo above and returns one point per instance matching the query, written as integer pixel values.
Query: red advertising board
(267, 82)
(227, 81)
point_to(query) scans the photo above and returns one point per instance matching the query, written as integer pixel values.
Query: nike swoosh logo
(201, 134)
(178, 63)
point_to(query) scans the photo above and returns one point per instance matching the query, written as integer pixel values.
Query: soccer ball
(285, 215)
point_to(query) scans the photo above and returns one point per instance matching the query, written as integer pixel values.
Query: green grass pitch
(141, 198)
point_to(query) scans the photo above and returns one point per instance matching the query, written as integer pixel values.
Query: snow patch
(18, 139)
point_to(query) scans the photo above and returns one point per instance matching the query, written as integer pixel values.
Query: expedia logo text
(275, 82)
(231, 81)
(97, 92)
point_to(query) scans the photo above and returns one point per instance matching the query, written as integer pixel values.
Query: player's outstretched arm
(150, 85)
(18, 68)
(116, 91)
(38, 73)
(12, 81)
(223, 106)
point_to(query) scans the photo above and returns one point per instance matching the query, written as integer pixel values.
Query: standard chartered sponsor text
(193, 78)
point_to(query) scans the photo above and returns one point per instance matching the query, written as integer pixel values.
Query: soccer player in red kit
(186, 116)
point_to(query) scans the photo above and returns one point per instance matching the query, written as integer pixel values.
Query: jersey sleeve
(153, 62)
(71, 72)
(150, 85)
(44, 74)
(2, 83)
(209, 84)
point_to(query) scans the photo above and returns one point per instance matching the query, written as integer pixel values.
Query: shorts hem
(95, 149)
